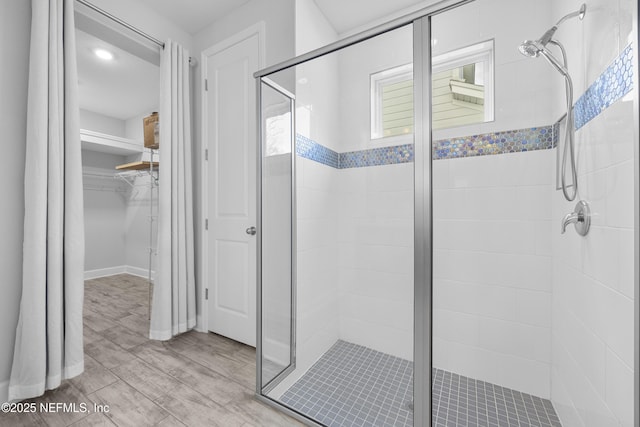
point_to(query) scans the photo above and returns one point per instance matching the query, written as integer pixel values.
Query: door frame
(255, 29)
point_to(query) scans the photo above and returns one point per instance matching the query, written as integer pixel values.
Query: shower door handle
(251, 231)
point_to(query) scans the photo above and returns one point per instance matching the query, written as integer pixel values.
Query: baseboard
(4, 391)
(137, 271)
(121, 269)
(104, 272)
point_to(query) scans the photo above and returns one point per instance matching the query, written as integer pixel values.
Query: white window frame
(482, 52)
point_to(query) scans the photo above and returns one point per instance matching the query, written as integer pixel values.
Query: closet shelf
(104, 143)
(136, 166)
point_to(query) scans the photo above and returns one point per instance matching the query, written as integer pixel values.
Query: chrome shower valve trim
(580, 217)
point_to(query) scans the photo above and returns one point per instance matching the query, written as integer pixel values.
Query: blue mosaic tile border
(377, 156)
(511, 141)
(614, 83)
(309, 149)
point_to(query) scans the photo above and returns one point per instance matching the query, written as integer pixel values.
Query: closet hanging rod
(117, 20)
(121, 22)
(99, 175)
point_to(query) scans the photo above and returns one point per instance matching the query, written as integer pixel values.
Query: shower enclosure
(411, 266)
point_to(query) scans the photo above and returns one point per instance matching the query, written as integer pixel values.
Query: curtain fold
(48, 345)
(173, 309)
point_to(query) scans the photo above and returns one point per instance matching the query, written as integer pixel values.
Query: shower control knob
(580, 217)
(251, 231)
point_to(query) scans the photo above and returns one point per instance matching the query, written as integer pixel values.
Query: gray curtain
(48, 346)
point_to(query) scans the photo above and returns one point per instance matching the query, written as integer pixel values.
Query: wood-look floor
(195, 379)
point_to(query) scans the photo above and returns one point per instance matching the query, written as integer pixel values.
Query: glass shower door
(351, 258)
(276, 238)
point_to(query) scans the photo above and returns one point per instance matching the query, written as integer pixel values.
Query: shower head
(533, 48)
(536, 48)
(530, 48)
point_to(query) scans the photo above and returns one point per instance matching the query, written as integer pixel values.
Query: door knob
(251, 231)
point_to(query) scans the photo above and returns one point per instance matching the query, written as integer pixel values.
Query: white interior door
(231, 141)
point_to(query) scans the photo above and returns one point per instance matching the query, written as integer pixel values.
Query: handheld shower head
(530, 48)
(533, 48)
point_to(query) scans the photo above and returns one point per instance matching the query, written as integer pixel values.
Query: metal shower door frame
(265, 388)
(636, 206)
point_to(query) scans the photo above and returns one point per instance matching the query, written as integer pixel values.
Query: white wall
(15, 26)
(317, 287)
(375, 235)
(104, 214)
(100, 123)
(593, 289)
(133, 127)
(492, 268)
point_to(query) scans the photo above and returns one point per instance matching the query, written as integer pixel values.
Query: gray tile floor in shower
(352, 385)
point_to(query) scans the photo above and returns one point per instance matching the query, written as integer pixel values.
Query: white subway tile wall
(492, 278)
(376, 271)
(317, 279)
(592, 303)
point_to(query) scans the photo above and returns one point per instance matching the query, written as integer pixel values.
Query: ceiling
(122, 88)
(349, 15)
(193, 15)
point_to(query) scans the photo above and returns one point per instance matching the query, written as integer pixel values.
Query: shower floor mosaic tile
(462, 401)
(352, 385)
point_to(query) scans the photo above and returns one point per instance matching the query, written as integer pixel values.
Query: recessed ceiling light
(103, 54)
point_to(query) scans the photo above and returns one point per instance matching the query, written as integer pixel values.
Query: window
(462, 91)
(463, 86)
(392, 102)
